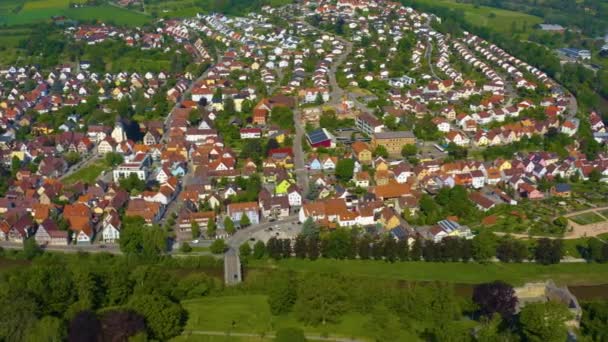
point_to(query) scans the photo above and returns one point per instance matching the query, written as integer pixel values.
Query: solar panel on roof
(317, 136)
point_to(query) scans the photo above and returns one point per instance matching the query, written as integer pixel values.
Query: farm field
(14, 12)
(461, 273)
(587, 218)
(481, 15)
(251, 314)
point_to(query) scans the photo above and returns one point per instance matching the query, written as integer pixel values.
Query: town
(282, 128)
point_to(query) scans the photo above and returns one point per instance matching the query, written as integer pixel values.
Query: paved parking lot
(280, 231)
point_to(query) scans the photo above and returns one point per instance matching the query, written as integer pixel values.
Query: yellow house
(504, 165)
(381, 164)
(19, 154)
(389, 219)
(282, 187)
(362, 152)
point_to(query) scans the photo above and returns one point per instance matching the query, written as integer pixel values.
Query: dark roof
(318, 136)
(398, 232)
(562, 187)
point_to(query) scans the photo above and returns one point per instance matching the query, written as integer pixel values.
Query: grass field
(587, 218)
(87, 174)
(251, 314)
(481, 15)
(461, 273)
(34, 11)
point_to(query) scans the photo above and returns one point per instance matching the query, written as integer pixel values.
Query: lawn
(206, 338)
(460, 273)
(501, 20)
(251, 314)
(34, 11)
(587, 218)
(87, 174)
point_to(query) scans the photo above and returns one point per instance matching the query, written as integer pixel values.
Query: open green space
(461, 273)
(87, 174)
(14, 12)
(251, 314)
(498, 19)
(587, 218)
(226, 338)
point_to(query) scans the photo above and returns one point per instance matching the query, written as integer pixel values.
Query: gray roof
(394, 135)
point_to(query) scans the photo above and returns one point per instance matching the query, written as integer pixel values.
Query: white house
(110, 231)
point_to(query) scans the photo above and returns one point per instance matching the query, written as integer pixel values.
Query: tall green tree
(544, 322)
(282, 293)
(345, 169)
(229, 225)
(320, 300)
(164, 318)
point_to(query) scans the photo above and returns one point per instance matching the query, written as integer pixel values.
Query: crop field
(499, 19)
(23, 12)
(587, 218)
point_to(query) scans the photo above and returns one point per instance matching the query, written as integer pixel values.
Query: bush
(290, 335)
(218, 246)
(185, 248)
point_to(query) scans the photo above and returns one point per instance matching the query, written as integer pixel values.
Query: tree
(384, 325)
(196, 230)
(484, 246)
(164, 318)
(312, 248)
(380, 151)
(113, 159)
(185, 248)
(218, 246)
(595, 320)
(416, 252)
(299, 247)
(595, 175)
(244, 221)
(47, 329)
(597, 250)
(194, 285)
(229, 225)
(282, 294)
(211, 228)
(363, 248)
(120, 325)
(282, 116)
(290, 335)
(132, 184)
(244, 250)
(548, 251)
(320, 299)
(345, 169)
(30, 248)
(543, 322)
(259, 250)
(309, 228)
(511, 250)
(18, 313)
(496, 297)
(409, 150)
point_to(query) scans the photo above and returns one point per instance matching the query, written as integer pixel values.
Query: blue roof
(562, 187)
(317, 136)
(398, 232)
(448, 225)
